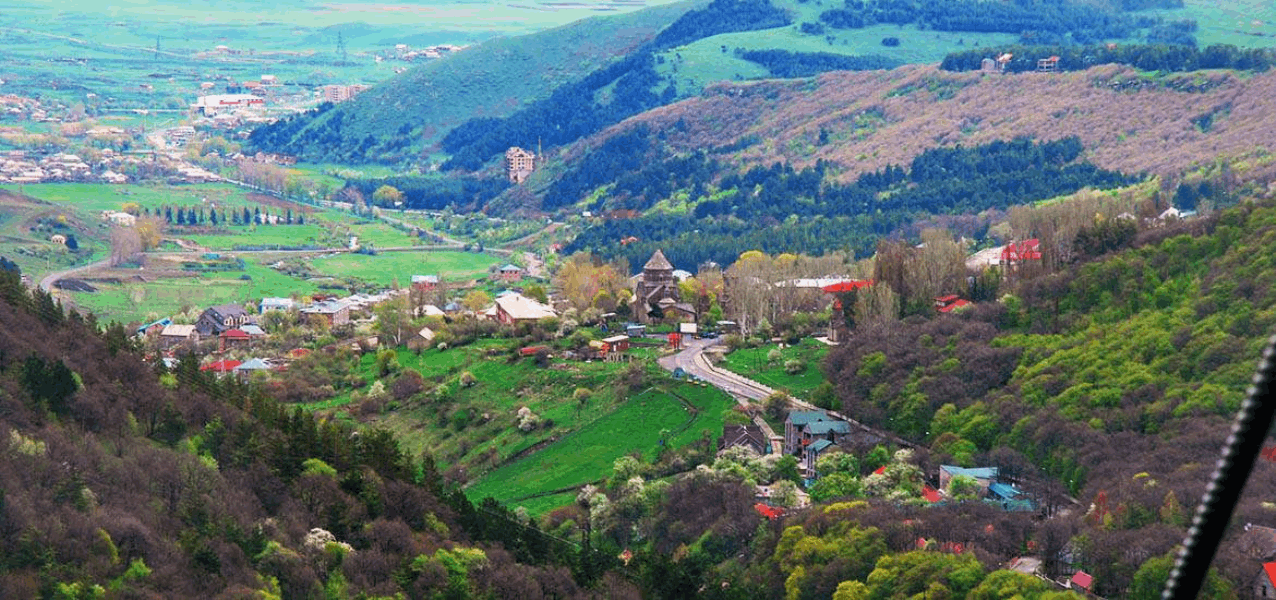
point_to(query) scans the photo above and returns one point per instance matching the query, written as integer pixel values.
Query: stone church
(656, 292)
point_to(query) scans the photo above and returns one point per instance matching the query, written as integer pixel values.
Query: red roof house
(1082, 580)
(1018, 252)
(931, 494)
(221, 366)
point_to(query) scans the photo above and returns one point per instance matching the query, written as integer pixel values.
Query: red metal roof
(954, 306)
(770, 512)
(1270, 570)
(221, 366)
(847, 286)
(931, 494)
(1083, 580)
(238, 334)
(1025, 250)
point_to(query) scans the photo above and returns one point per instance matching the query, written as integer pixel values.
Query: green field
(475, 428)
(587, 455)
(136, 301)
(753, 363)
(387, 268)
(705, 61)
(113, 50)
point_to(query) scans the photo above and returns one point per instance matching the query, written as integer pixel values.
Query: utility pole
(341, 47)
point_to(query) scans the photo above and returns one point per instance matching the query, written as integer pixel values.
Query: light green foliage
(78, 591)
(623, 469)
(314, 466)
(934, 574)
(457, 563)
(853, 549)
(871, 365)
(137, 571)
(1007, 585)
(784, 493)
(836, 485)
(963, 487)
(28, 446)
(851, 590)
(1150, 579)
(837, 462)
(107, 546)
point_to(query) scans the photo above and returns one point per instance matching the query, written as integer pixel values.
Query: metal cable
(1239, 453)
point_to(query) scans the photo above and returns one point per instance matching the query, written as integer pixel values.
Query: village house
(246, 369)
(510, 273)
(425, 283)
(153, 329)
(950, 303)
(216, 319)
(221, 368)
(984, 476)
(333, 313)
(748, 436)
(173, 335)
(517, 308)
(284, 304)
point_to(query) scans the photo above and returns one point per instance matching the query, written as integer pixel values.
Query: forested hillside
(810, 162)
(393, 121)
(122, 480)
(1117, 376)
(777, 209)
(590, 75)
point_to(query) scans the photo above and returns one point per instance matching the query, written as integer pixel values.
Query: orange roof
(930, 494)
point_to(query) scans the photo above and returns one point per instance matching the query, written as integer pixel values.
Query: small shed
(617, 343)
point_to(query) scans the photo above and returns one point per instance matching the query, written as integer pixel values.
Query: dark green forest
(1050, 22)
(778, 208)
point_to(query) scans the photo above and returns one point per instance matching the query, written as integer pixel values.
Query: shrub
(794, 366)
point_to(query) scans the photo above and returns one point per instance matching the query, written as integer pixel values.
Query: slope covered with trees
(1116, 375)
(801, 209)
(118, 480)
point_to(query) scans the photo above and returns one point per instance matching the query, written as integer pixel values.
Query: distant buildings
(210, 106)
(519, 164)
(340, 93)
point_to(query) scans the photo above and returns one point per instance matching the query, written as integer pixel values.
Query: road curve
(47, 282)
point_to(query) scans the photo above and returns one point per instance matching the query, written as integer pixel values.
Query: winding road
(745, 391)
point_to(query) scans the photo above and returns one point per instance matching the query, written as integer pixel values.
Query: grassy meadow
(587, 454)
(754, 364)
(474, 429)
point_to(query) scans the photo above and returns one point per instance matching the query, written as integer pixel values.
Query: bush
(890, 42)
(794, 366)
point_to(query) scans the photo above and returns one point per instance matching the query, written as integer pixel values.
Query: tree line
(1149, 57)
(575, 110)
(1053, 21)
(786, 64)
(800, 211)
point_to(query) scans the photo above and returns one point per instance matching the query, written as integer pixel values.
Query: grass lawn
(127, 301)
(97, 197)
(386, 267)
(587, 454)
(753, 363)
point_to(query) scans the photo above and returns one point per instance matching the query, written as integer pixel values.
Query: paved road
(692, 361)
(745, 390)
(47, 282)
